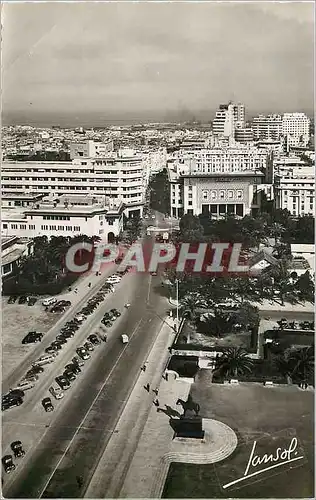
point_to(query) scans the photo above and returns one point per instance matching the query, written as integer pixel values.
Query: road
(72, 443)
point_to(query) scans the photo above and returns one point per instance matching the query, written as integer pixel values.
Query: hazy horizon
(98, 63)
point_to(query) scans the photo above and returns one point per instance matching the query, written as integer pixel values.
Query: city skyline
(163, 61)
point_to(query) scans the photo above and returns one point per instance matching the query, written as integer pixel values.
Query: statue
(189, 405)
(190, 423)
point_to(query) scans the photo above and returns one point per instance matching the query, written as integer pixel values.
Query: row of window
(56, 217)
(60, 228)
(221, 196)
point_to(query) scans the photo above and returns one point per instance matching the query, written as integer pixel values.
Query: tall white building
(295, 127)
(119, 175)
(227, 118)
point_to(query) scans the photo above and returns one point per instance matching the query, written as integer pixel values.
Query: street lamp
(177, 299)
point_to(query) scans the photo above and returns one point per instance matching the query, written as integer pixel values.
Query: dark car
(68, 334)
(37, 368)
(8, 403)
(61, 339)
(64, 303)
(8, 465)
(32, 338)
(31, 376)
(57, 345)
(12, 299)
(63, 382)
(83, 353)
(88, 346)
(73, 367)
(51, 350)
(22, 299)
(69, 375)
(14, 393)
(106, 323)
(94, 339)
(76, 360)
(47, 404)
(32, 301)
(17, 449)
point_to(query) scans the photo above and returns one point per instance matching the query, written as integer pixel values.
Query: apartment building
(118, 175)
(296, 127)
(65, 216)
(244, 135)
(294, 190)
(227, 118)
(226, 160)
(90, 149)
(267, 127)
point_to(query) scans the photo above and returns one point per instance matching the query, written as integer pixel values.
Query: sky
(155, 60)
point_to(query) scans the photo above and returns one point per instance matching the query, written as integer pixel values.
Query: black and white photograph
(157, 249)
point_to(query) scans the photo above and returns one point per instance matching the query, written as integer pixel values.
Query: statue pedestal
(188, 427)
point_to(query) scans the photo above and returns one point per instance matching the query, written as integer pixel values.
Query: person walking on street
(79, 480)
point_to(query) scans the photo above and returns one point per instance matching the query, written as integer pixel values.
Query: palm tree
(301, 363)
(189, 305)
(233, 362)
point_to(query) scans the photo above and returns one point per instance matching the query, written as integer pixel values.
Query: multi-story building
(118, 175)
(244, 135)
(267, 127)
(225, 160)
(215, 194)
(294, 190)
(227, 118)
(65, 216)
(296, 128)
(90, 149)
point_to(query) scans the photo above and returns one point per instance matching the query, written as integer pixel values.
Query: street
(71, 444)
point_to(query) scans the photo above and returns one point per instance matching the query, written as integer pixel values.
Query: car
(77, 361)
(31, 376)
(64, 303)
(73, 367)
(15, 393)
(61, 339)
(22, 299)
(8, 465)
(49, 302)
(47, 404)
(63, 382)
(153, 273)
(115, 312)
(68, 335)
(56, 392)
(88, 346)
(37, 368)
(106, 323)
(80, 318)
(69, 375)
(8, 403)
(32, 301)
(83, 353)
(57, 345)
(47, 359)
(94, 339)
(32, 338)
(51, 350)
(12, 299)
(57, 309)
(17, 449)
(124, 339)
(26, 384)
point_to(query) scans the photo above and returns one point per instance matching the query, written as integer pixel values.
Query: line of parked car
(295, 325)
(7, 460)
(15, 396)
(23, 299)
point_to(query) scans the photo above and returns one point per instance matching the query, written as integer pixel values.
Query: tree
(191, 229)
(247, 316)
(305, 287)
(301, 363)
(234, 362)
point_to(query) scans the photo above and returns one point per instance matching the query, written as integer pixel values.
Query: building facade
(267, 127)
(296, 128)
(66, 216)
(119, 175)
(227, 118)
(294, 190)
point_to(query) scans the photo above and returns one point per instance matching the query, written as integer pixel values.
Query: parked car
(12, 299)
(57, 345)
(32, 301)
(31, 376)
(88, 346)
(8, 403)
(61, 339)
(26, 385)
(80, 318)
(51, 351)
(15, 393)
(47, 404)
(22, 299)
(94, 339)
(45, 360)
(17, 449)
(49, 302)
(36, 368)
(125, 339)
(73, 367)
(56, 392)
(83, 353)
(106, 323)
(57, 309)
(63, 382)
(64, 303)
(8, 465)
(68, 334)
(78, 361)
(32, 338)
(69, 375)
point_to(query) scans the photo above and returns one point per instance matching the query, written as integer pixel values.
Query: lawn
(272, 417)
(242, 339)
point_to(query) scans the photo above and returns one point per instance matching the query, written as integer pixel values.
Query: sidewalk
(130, 436)
(267, 305)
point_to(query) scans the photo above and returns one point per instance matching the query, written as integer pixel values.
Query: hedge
(10, 287)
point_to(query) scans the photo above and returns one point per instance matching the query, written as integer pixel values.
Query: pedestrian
(79, 480)
(305, 385)
(156, 391)
(147, 387)
(156, 402)
(144, 368)
(167, 377)
(89, 285)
